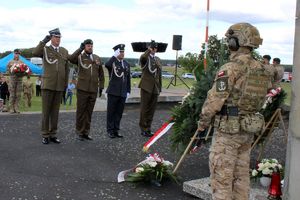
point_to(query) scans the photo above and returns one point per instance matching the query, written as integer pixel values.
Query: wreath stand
(189, 146)
(267, 131)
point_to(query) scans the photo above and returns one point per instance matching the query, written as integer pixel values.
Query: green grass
(37, 103)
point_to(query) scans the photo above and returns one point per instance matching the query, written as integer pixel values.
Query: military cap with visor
(55, 32)
(119, 46)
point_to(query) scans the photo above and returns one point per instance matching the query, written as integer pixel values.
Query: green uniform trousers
(50, 110)
(85, 106)
(148, 106)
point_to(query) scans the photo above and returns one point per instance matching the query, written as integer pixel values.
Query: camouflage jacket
(28, 87)
(228, 88)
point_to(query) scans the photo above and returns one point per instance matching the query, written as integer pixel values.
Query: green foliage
(189, 61)
(187, 114)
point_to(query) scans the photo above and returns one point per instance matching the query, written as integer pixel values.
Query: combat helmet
(243, 35)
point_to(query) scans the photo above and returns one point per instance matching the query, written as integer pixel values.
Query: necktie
(56, 49)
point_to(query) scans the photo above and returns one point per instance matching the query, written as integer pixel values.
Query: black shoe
(54, 140)
(118, 135)
(111, 135)
(87, 137)
(45, 140)
(147, 133)
(79, 137)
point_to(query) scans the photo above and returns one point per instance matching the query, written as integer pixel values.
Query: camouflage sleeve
(217, 96)
(9, 65)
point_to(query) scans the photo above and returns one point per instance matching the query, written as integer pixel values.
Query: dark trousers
(50, 110)
(85, 106)
(38, 90)
(148, 106)
(115, 108)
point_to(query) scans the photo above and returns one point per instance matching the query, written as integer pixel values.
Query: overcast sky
(109, 22)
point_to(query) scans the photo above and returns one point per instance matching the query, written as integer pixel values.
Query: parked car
(137, 74)
(287, 77)
(166, 74)
(188, 75)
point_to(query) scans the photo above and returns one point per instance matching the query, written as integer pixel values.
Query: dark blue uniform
(119, 86)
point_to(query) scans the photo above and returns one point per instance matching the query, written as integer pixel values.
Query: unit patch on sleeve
(222, 84)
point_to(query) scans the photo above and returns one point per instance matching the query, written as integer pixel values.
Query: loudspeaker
(177, 41)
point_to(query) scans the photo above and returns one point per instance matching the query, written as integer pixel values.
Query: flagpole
(206, 36)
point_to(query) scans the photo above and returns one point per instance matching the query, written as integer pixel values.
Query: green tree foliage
(187, 114)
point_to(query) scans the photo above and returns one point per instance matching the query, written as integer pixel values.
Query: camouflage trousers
(15, 90)
(27, 99)
(229, 162)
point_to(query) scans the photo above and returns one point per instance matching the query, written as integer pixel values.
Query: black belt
(229, 111)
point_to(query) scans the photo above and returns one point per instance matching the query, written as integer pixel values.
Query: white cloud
(109, 25)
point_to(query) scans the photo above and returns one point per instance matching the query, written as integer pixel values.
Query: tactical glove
(46, 39)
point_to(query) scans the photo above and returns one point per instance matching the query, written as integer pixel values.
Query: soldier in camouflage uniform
(237, 95)
(15, 86)
(28, 91)
(278, 71)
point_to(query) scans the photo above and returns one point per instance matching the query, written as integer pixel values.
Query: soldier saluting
(118, 89)
(90, 79)
(55, 80)
(150, 87)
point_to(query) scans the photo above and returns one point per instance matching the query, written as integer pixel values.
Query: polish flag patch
(221, 73)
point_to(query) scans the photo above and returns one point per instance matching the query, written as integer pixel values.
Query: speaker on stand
(177, 43)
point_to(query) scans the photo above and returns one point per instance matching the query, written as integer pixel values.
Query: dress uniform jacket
(151, 73)
(119, 77)
(55, 65)
(90, 71)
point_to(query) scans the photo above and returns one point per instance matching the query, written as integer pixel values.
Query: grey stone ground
(75, 170)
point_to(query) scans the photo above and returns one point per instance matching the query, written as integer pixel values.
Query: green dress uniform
(54, 82)
(90, 78)
(150, 85)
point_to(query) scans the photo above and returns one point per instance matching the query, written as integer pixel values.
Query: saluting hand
(46, 39)
(82, 46)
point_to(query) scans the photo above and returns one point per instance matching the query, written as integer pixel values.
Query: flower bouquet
(266, 168)
(20, 69)
(153, 169)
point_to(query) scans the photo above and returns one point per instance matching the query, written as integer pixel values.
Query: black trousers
(38, 90)
(115, 108)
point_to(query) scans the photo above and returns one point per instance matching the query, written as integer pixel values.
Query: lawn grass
(37, 102)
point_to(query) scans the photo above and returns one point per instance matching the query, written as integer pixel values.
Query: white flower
(267, 171)
(261, 167)
(254, 172)
(152, 164)
(274, 161)
(167, 163)
(139, 169)
(279, 166)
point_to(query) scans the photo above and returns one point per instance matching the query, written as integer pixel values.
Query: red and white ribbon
(158, 134)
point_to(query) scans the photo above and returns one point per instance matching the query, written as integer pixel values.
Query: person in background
(278, 72)
(70, 92)
(3, 92)
(90, 81)
(28, 91)
(15, 86)
(117, 91)
(54, 82)
(38, 84)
